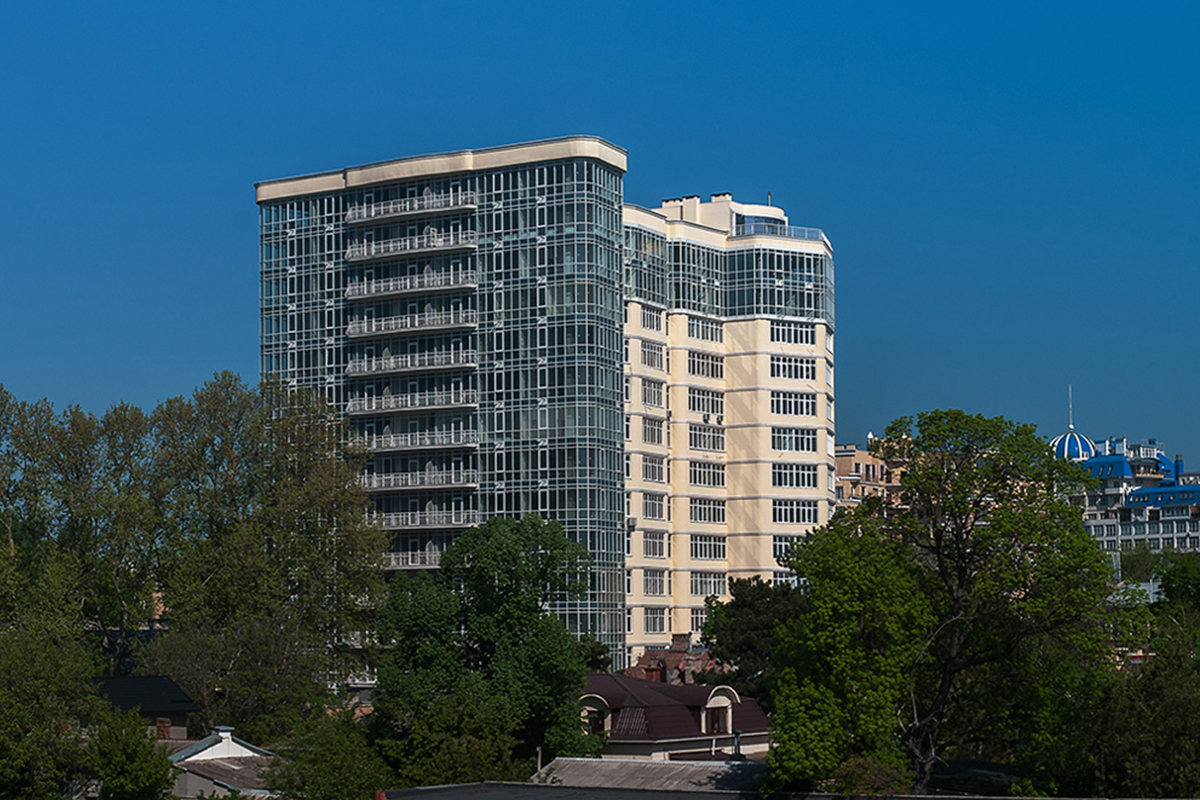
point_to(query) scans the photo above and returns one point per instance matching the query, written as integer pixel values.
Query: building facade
(508, 337)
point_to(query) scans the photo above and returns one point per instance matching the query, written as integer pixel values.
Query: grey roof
(672, 776)
(242, 773)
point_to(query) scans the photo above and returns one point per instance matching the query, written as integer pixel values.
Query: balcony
(411, 284)
(431, 320)
(414, 559)
(425, 243)
(412, 206)
(413, 361)
(416, 400)
(428, 479)
(422, 440)
(405, 520)
(787, 231)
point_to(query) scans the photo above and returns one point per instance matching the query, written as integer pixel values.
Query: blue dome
(1074, 446)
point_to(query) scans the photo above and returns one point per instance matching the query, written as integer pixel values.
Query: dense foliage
(219, 539)
(477, 673)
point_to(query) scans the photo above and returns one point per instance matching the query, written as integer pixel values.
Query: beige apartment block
(729, 400)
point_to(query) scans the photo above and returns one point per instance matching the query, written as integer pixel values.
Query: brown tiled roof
(651, 711)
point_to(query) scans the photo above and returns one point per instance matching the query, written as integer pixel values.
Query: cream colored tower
(729, 402)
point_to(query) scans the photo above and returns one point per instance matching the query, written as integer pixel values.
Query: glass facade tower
(481, 316)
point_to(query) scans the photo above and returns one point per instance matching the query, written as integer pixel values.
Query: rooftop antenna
(1070, 410)
(768, 198)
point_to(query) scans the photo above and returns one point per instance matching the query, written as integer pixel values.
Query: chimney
(1178, 466)
(681, 642)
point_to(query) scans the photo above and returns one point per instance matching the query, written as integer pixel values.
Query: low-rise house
(159, 700)
(661, 721)
(221, 764)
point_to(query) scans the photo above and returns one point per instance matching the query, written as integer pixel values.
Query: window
(629, 620)
(652, 468)
(793, 332)
(780, 545)
(706, 437)
(627, 434)
(628, 581)
(705, 584)
(652, 393)
(794, 512)
(653, 582)
(798, 440)
(698, 617)
(651, 319)
(654, 620)
(794, 476)
(652, 430)
(706, 365)
(794, 404)
(626, 388)
(652, 544)
(628, 469)
(704, 473)
(706, 401)
(706, 330)
(707, 547)
(707, 511)
(652, 355)
(653, 506)
(794, 368)
(785, 579)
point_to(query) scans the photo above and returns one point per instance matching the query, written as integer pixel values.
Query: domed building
(1072, 445)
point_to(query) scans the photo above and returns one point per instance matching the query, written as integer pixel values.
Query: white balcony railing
(411, 361)
(400, 402)
(448, 201)
(773, 229)
(434, 240)
(421, 439)
(463, 317)
(418, 480)
(400, 520)
(457, 279)
(415, 559)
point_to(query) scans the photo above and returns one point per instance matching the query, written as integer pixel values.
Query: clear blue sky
(1012, 188)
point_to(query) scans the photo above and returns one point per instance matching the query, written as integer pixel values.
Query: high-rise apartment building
(509, 338)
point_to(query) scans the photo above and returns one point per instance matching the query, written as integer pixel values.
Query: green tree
(1004, 561)
(845, 662)
(743, 633)
(272, 571)
(329, 758)
(1180, 574)
(128, 765)
(479, 673)
(57, 736)
(1146, 744)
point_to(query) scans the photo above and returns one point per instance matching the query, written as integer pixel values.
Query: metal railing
(404, 441)
(399, 402)
(411, 205)
(397, 520)
(414, 480)
(772, 229)
(434, 240)
(430, 319)
(413, 283)
(412, 559)
(407, 361)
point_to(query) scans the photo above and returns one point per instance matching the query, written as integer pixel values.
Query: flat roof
(443, 164)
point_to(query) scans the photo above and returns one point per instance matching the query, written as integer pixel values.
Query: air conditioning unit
(720, 420)
(706, 417)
